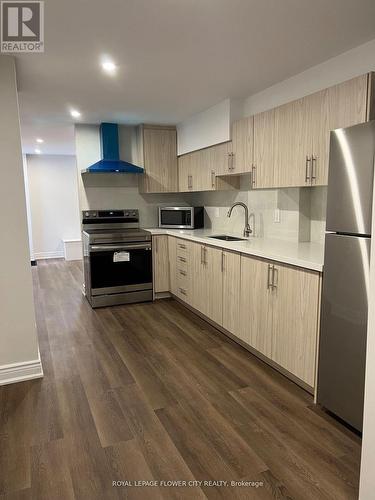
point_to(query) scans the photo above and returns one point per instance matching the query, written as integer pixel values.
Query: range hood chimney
(110, 162)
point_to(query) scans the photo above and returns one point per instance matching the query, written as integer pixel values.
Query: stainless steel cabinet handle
(229, 161)
(232, 163)
(202, 255)
(313, 167)
(269, 284)
(307, 169)
(183, 291)
(222, 262)
(181, 259)
(213, 178)
(275, 277)
(190, 182)
(156, 245)
(253, 176)
(183, 273)
(182, 246)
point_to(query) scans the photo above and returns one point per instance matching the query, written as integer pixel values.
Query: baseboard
(49, 255)
(19, 372)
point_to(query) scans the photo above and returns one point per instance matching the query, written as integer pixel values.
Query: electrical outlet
(276, 215)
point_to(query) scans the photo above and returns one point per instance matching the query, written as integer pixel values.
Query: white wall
(18, 338)
(28, 209)
(348, 65)
(54, 206)
(204, 129)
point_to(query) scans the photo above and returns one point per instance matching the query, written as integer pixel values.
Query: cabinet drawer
(183, 292)
(182, 262)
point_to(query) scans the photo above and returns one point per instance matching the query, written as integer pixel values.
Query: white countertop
(307, 255)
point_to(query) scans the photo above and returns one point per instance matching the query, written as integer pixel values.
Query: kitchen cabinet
(273, 308)
(198, 170)
(240, 154)
(160, 258)
(291, 142)
(172, 256)
(157, 153)
(295, 320)
(265, 148)
(231, 268)
(279, 314)
(184, 270)
(339, 106)
(256, 302)
(207, 282)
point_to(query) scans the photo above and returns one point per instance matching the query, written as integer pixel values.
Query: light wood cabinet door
(172, 255)
(184, 173)
(294, 143)
(204, 175)
(340, 106)
(256, 305)
(214, 275)
(160, 257)
(198, 170)
(231, 267)
(219, 158)
(159, 160)
(199, 281)
(265, 148)
(295, 318)
(242, 146)
(207, 281)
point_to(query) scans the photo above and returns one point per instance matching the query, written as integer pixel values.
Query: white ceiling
(175, 57)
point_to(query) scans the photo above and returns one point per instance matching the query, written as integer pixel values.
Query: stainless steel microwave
(181, 217)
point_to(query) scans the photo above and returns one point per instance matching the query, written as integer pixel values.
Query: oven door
(176, 217)
(120, 268)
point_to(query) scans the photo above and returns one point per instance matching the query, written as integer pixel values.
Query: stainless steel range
(117, 258)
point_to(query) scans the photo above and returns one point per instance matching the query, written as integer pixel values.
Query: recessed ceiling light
(109, 67)
(37, 151)
(75, 113)
(39, 140)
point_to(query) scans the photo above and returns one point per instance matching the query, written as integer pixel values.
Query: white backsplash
(301, 211)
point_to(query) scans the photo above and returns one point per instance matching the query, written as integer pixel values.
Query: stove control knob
(127, 214)
(87, 214)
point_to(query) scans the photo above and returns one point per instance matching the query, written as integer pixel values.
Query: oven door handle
(119, 248)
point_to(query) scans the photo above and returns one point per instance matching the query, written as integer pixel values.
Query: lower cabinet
(271, 307)
(295, 320)
(279, 314)
(160, 262)
(207, 283)
(231, 267)
(256, 304)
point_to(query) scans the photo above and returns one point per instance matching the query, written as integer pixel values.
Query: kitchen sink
(225, 237)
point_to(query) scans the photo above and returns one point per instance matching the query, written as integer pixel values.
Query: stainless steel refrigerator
(342, 346)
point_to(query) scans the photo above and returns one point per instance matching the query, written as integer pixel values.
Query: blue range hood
(110, 162)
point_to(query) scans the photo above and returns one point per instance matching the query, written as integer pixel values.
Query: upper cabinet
(157, 150)
(291, 142)
(197, 171)
(240, 157)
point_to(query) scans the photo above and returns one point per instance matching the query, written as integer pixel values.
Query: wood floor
(150, 392)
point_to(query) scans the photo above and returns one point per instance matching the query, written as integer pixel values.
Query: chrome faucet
(247, 230)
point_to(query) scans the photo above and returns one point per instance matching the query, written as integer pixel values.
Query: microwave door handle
(119, 248)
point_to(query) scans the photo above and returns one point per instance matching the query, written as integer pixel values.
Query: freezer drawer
(350, 181)
(342, 349)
